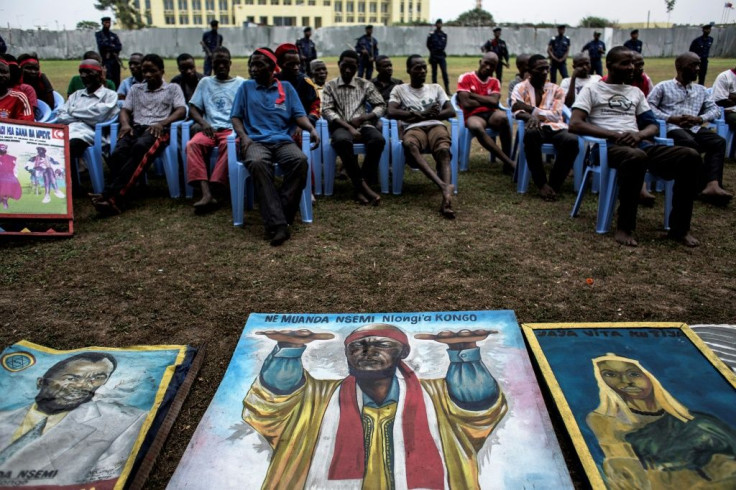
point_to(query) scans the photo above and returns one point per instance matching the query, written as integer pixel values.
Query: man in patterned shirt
(539, 104)
(724, 95)
(685, 106)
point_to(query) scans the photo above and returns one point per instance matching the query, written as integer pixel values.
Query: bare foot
(446, 207)
(646, 198)
(688, 240)
(625, 238)
(372, 198)
(205, 201)
(547, 193)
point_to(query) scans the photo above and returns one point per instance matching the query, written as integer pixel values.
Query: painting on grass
(343, 401)
(647, 405)
(83, 418)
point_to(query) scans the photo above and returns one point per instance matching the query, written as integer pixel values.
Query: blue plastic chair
(329, 158)
(93, 154)
(398, 158)
(241, 185)
(186, 128)
(44, 112)
(58, 100)
(465, 137)
(607, 178)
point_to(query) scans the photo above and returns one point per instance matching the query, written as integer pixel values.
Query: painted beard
(359, 374)
(51, 405)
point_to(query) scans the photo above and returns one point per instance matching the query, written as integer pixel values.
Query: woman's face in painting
(626, 379)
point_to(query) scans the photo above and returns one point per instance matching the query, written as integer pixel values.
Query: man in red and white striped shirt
(13, 105)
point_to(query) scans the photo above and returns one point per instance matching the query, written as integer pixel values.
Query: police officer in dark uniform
(436, 43)
(557, 50)
(634, 44)
(109, 47)
(498, 46)
(596, 49)
(307, 51)
(211, 40)
(701, 46)
(367, 48)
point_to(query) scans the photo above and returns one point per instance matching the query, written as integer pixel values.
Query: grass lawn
(160, 274)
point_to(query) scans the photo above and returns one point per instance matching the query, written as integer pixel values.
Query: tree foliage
(473, 18)
(88, 24)
(669, 5)
(125, 14)
(592, 21)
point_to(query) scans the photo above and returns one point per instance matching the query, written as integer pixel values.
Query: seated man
(620, 113)
(539, 103)
(685, 106)
(478, 94)
(134, 64)
(32, 75)
(264, 113)
(85, 108)
(16, 82)
(522, 73)
(288, 60)
(344, 108)
(210, 108)
(581, 77)
(318, 69)
(384, 81)
(148, 111)
(13, 105)
(188, 77)
(724, 95)
(76, 83)
(423, 107)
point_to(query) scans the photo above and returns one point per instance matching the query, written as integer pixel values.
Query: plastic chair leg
(94, 167)
(606, 203)
(581, 192)
(669, 186)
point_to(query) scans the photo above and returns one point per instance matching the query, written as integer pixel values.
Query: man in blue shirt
(210, 41)
(307, 51)
(265, 113)
(557, 49)
(436, 43)
(701, 46)
(367, 48)
(596, 49)
(634, 44)
(109, 47)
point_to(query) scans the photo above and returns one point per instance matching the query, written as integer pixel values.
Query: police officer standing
(634, 44)
(701, 46)
(307, 51)
(109, 47)
(596, 49)
(367, 48)
(557, 50)
(436, 44)
(211, 40)
(498, 46)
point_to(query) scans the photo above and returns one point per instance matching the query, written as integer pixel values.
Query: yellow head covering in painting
(613, 405)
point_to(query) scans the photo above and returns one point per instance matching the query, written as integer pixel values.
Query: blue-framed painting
(646, 405)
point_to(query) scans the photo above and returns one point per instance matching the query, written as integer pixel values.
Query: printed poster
(78, 419)
(376, 400)
(647, 405)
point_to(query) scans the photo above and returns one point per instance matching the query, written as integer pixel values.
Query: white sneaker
(59, 194)
(46, 199)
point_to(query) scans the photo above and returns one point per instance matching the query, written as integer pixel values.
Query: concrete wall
(332, 40)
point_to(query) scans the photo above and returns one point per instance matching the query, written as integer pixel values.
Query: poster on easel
(35, 179)
(646, 405)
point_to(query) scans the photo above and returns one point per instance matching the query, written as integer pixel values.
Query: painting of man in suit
(66, 436)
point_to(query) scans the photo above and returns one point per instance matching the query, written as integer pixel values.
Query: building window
(373, 8)
(317, 22)
(349, 8)
(210, 18)
(182, 4)
(251, 19)
(419, 8)
(149, 18)
(261, 2)
(148, 4)
(361, 7)
(210, 4)
(274, 2)
(196, 4)
(236, 2)
(361, 19)
(305, 21)
(264, 21)
(299, 2)
(312, 3)
(284, 21)
(168, 4)
(183, 19)
(338, 6)
(137, 4)
(223, 4)
(326, 3)
(169, 20)
(224, 18)
(350, 19)
(338, 18)
(384, 20)
(249, 2)
(287, 2)
(384, 8)
(196, 19)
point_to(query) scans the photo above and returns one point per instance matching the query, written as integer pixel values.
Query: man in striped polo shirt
(147, 113)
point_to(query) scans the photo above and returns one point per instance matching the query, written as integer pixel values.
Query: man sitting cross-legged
(478, 93)
(620, 113)
(423, 107)
(84, 109)
(210, 108)
(344, 108)
(147, 113)
(685, 106)
(264, 114)
(539, 104)
(582, 76)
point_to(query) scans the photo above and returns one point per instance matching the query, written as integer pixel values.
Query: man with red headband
(381, 427)
(32, 75)
(264, 115)
(287, 57)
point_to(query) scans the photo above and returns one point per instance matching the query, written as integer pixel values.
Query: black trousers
(365, 67)
(77, 147)
(499, 70)
(597, 66)
(277, 206)
(708, 143)
(703, 70)
(668, 162)
(554, 67)
(566, 145)
(440, 61)
(342, 142)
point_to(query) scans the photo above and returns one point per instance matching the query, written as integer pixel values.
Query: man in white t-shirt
(724, 95)
(581, 77)
(423, 107)
(620, 113)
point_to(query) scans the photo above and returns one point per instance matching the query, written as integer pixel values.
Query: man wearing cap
(557, 49)
(264, 114)
(634, 44)
(367, 48)
(436, 44)
(85, 108)
(307, 52)
(210, 40)
(596, 49)
(381, 426)
(498, 46)
(701, 46)
(288, 70)
(109, 47)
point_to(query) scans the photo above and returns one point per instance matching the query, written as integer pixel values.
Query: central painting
(387, 400)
